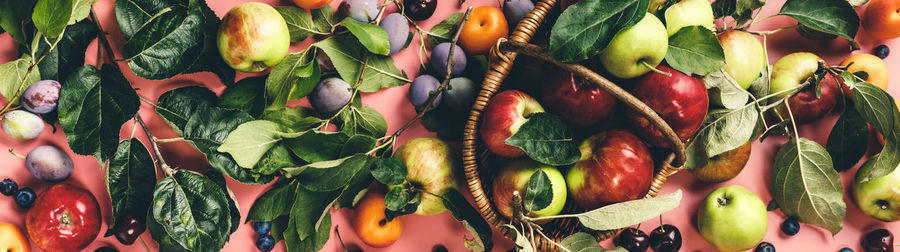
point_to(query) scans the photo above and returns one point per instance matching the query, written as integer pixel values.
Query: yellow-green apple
(680, 100)
(688, 13)
(514, 177)
(732, 218)
(794, 69)
(63, 218)
(880, 197)
(252, 37)
(745, 57)
(12, 240)
(430, 165)
(503, 116)
(724, 166)
(615, 166)
(632, 49)
(579, 102)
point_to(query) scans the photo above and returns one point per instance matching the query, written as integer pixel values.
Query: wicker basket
(502, 57)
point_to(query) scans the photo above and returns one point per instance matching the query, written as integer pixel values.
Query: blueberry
(439, 60)
(420, 89)
(262, 227)
(360, 10)
(22, 125)
(49, 163)
(397, 28)
(881, 51)
(764, 247)
(25, 197)
(41, 97)
(515, 10)
(846, 250)
(265, 243)
(8, 187)
(790, 226)
(330, 95)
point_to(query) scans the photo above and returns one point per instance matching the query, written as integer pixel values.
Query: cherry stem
(654, 69)
(11, 151)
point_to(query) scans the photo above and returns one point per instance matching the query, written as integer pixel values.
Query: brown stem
(168, 170)
(101, 35)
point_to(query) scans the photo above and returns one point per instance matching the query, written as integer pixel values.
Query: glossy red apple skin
(503, 116)
(615, 166)
(579, 102)
(807, 108)
(63, 218)
(680, 100)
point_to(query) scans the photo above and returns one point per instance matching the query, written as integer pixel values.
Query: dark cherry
(633, 240)
(106, 249)
(439, 248)
(665, 238)
(419, 10)
(128, 228)
(880, 240)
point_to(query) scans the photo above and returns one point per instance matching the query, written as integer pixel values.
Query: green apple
(791, 70)
(430, 165)
(745, 57)
(631, 51)
(515, 176)
(724, 166)
(688, 13)
(252, 37)
(732, 218)
(880, 197)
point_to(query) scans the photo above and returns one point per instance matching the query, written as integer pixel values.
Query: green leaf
(131, 15)
(538, 193)
(296, 76)
(167, 45)
(316, 146)
(348, 57)
(318, 239)
(465, 213)
(857, 3)
(69, 52)
(848, 139)
(210, 60)
(878, 109)
(193, 210)
(582, 241)
(722, 130)
(804, 185)
(50, 17)
(373, 37)
(217, 177)
(279, 226)
(300, 24)
(744, 10)
(245, 95)
(574, 37)
(413, 199)
(443, 31)
(760, 86)
(724, 91)
(130, 178)
(629, 213)
(829, 16)
(331, 176)
(355, 190)
(11, 75)
(723, 8)
(695, 50)
(93, 105)
(358, 144)
(275, 159)
(274, 203)
(251, 140)
(294, 118)
(324, 18)
(546, 139)
(363, 120)
(15, 19)
(389, 171)
(396, 198)
(309, 210)
(165, 242)
(522, 242)
(80, 10)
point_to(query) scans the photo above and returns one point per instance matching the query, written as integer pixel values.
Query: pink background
(422, 233)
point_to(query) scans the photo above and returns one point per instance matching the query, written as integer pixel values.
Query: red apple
(503, 116)
(63, 218)
(615, 166)
(680, 100)
(807, 108)
(579, 102)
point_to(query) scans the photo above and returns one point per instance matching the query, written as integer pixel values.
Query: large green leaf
(575, 37)
(193, 211)
(443, 31)
(165, 242)
(723, 130)
(50, 17)
(848, 139)
(629, 213)
(300, 23)
(313, 242)
(878, 109)
(11, 75)
(69, 52)
(724, 91)
(217, 177)
(805, 185)
(15, 19)
(251, 140)
(210, 60)
(695, 50)
(275, 159)
(334, 175)
(130, 178)
(309, 209)
(829, 16)
(546, 139)
(131, 15)
(245, 95)
(80, 10)
(538, 193)
(317, 146)
(167, 45)
(371, 36)
(389, 170)
(93, 105)
(348, 57)
(296, 76)
(275, 202)
(582, 241)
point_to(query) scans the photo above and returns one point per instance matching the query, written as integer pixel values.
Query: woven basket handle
(504, 45)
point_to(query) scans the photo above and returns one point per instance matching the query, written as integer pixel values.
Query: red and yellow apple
(792, 70)
(615, 166)
(430, 165)
(680, 100)
(745, 56)
(252, 37)
(63, 218)
(882, 19)
(515, 176)
(579, 102)
(503, 116)
(724, 166)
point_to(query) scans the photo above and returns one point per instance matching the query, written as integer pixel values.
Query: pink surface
(422, 233)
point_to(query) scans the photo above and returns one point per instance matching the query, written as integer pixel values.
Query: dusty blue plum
(420, 89)
(439, 60)
(460, 94)
(397, 28)
(41, 97)
(49, 163)
(360, 10)
(515, 10)
(330, 95)
(22, 125)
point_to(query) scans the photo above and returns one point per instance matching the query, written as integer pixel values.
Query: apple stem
(11, 151)
(654, 69)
